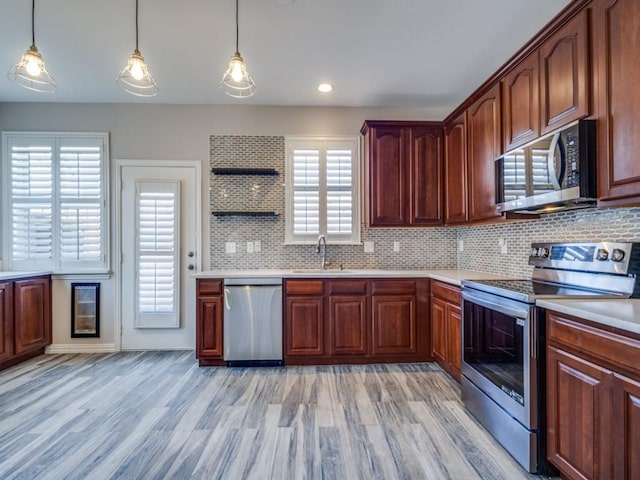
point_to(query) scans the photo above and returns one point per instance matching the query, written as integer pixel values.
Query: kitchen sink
(319, 270)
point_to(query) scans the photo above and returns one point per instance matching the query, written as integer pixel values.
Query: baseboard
(84, 348)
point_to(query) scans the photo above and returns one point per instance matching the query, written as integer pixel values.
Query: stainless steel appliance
(554, 172)
(253, 321)
(503, 357)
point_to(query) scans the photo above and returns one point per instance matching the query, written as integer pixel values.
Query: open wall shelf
(270, 172)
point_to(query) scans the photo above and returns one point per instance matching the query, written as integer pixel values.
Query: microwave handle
(557, 142)
(512, 312)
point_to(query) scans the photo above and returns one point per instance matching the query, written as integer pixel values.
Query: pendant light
(236, 82)
(30, 72)
(135, 77)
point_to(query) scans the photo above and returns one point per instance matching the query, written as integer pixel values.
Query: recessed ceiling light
(325, 87)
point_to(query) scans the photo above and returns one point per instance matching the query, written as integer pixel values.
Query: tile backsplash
(419, 248)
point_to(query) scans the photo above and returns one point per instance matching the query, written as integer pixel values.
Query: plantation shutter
(157, 254)
(56, 202)
(322, 181)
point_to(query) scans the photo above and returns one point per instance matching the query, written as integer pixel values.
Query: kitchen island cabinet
(593, 399)
(209, 322)
(25, 318)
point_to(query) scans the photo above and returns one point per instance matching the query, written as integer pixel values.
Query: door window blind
(322, 190)
(56, 201)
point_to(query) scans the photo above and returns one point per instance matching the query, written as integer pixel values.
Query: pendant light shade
(135, 77)
(236, 81)
(30, 72)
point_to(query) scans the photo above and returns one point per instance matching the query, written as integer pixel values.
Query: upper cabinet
(455, 172)
(521, 103)
(404, 173)
(550, 87)
(564, 74)
(616, 46)
(484, 145)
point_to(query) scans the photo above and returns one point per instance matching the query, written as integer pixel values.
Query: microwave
(554, 172)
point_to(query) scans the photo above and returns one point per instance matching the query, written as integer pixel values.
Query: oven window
(493, 346)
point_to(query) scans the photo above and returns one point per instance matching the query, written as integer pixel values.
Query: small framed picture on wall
(85, 310)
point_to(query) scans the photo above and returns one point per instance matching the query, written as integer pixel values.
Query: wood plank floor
(156, 415)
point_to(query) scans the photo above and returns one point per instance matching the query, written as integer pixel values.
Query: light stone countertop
(15, 275)
(623, 314)
(454, 277)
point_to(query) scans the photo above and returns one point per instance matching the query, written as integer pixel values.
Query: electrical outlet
(501, 242)
(461, 245)
(368, 247)
(396, 247)
(503, 247)
(230, 247)
(257, 246)
(249, 247)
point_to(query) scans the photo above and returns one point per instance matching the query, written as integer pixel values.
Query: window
(55, 204)
(322, 180)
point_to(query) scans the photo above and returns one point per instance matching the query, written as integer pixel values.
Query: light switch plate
(249, 247)
(230, 247)
(368, 247)
(461, 245)
(396, 246)
(257, 246)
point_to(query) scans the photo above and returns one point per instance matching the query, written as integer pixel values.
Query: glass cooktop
(530, 290)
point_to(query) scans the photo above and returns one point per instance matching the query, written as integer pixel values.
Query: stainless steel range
(503, 357)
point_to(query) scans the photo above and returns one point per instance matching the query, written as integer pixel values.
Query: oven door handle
(483, 302)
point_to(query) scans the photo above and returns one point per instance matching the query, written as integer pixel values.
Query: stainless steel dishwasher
(253, 321)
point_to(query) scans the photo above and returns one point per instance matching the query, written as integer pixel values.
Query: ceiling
(377, 53)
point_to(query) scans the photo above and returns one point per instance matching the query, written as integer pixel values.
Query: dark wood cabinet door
(304, 326)
(455, 174)
(454, 348)
(426, 161)
(394, 324)
(348, 325)
(6, 321)
(521, 121)
(564, 74)
(626, 428)
(388, 182)
(439, 330)
(484, 146)
(32, 314)
(578, 409)
(616, 43)
(209, 325)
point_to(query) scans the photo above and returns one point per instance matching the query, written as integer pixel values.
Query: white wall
(176, 132)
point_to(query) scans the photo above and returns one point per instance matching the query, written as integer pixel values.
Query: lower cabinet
(356, 321)
(593, 400)
(209, 322)
(446, 327)
(25, 319)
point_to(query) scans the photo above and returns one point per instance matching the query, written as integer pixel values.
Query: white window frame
(56, 265)
(322, 143)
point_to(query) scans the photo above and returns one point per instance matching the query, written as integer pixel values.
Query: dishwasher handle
(227, 298)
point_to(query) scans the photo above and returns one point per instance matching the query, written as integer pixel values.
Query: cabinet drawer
(303, 287)
(337, 287)
(209, 287)
(445, 291)
(401, 287)
(612, 349)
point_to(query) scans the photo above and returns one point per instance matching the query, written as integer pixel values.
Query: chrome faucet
(322, 248)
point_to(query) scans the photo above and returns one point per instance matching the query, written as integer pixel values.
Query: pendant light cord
(136, 25)
(237, 28)
(33, 22)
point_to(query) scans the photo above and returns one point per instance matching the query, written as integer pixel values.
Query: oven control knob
(602, 255)
(544, 252)
(534, 252)
(617, 255)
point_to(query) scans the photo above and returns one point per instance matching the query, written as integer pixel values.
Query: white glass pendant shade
(135, 77)
(236, 81)
(31, 73)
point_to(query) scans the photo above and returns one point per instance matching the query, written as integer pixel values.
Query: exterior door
(159, 233)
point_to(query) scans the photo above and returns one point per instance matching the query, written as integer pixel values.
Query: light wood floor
(157, 415)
